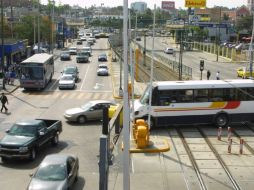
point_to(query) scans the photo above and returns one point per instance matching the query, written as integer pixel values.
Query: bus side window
(201, 95)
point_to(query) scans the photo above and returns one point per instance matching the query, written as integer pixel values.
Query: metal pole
(2, 39)
(151, 74)
(38, 21)
(218, 38)
(126, 118)
(53, 25)
(251, 48)
(34, 31)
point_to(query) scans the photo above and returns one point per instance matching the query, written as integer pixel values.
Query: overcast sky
(150, 3)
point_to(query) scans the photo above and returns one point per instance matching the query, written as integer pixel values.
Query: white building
(250, 5)
(139, 6)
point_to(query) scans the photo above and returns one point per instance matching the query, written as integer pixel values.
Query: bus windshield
(145, 97)
(32, 73)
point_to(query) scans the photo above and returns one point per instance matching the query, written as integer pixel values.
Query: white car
(66, 81)
(73, 50)
(102, 70)
(169, 51)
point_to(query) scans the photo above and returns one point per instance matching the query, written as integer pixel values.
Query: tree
(245, 23)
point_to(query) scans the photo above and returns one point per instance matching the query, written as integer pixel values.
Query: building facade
(139, 6)
(250, 5)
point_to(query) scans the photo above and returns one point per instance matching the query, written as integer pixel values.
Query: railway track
(206, 160)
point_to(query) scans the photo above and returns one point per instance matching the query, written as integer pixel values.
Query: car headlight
(136, 112)
(23, 149)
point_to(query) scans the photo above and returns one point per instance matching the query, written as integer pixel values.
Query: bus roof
(38, 58)
(200, 84)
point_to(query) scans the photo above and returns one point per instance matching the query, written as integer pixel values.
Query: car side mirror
(31, 174)
(41, 133)
(91, 109)
(7, 130)
(70, 175)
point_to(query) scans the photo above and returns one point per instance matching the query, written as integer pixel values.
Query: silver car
(92, 110)
(102, 70)
(66, 81)
(56, 171)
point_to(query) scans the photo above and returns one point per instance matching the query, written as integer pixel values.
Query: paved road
(192, 59)
(81, 140)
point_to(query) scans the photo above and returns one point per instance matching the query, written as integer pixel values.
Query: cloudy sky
(178, 3)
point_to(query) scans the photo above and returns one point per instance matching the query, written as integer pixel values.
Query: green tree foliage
(25, 29)
(245, 23)
(199, 34)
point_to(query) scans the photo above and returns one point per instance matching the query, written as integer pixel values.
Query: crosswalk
(74, 95)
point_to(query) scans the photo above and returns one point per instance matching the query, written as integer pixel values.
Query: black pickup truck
(25, 138)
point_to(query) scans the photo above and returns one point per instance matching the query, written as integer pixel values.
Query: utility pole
(218, 38)
(38, 21)
(251, 48)
(126, 108)
(52, 27)
(2, 39)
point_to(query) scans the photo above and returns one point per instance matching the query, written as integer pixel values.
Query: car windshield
(65, 53)
(23, 130)
(69, 70)
(73, 48)
(103, 55)
(83, 54)
(145, 97)
(103, 66)
(53, 172)
(87, 106)
(65, 77)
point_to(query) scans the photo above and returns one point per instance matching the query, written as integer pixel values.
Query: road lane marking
(83, 81)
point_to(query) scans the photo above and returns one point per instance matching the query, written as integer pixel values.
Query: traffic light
(202, 65)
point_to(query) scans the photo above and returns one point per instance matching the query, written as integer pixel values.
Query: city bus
(36, 71)
(218, 102)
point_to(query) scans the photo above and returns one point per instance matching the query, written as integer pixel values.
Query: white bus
(219, 102)
(37, 71)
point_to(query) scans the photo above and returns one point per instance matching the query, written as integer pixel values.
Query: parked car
(87, 49)
(83, 38)
(56, 171)
(92, 110)
(169, 51)
(73, 50)
(102, 57)
(82, 56)
(65, 56)
(25, 138)
(244, 72)
(72, 70)
(79, 42)
(66, 81)
(102, 70)
(138, 38)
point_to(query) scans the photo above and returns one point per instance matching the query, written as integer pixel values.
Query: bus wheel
(221, 120)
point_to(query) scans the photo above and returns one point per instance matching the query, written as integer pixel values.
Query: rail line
(230, 176)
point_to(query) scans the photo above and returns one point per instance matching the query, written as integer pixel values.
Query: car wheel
(77, 174)
(4, 159)
(221, 120)
(32, 154)
(82, 119)
(55, 140)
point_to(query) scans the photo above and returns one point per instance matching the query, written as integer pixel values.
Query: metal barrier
(110, 134)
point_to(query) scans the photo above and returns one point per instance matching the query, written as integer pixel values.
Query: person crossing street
(4, 100)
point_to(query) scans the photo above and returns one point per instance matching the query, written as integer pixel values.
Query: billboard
(195, 3)
(168, 5)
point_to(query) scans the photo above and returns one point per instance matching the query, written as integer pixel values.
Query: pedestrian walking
(208, 74)
(218, 75)
(4, 100)
(12, 77)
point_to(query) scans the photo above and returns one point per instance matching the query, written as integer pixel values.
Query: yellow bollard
(142, 137)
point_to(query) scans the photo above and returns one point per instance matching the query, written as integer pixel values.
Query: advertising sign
(195, 3)
(168, 5)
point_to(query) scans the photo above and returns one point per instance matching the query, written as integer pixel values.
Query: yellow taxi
(243, 72)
